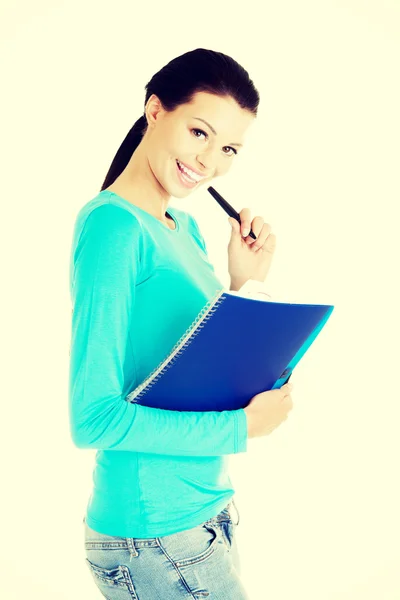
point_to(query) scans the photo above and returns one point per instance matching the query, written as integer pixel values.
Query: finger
(245, 221)
(286, 388)
(256, 225)
(235, 225)
(263, 237)
(288, 403)
(270, 245)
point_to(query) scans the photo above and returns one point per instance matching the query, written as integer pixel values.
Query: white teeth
(190, 173)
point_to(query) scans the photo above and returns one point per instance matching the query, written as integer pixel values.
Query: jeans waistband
(226, 513)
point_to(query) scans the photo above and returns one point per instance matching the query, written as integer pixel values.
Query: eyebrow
(213, 130)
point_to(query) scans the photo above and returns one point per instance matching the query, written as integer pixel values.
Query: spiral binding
(204, 315)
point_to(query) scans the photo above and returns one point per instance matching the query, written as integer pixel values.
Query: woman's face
(182, 135)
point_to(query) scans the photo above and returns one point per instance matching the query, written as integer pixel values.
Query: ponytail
(125, 151)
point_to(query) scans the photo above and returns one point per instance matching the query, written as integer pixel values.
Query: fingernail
(246, 232)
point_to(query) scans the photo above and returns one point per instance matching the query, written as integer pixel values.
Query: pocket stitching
(104, 575)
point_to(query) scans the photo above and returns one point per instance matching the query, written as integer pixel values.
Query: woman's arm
(106, 263)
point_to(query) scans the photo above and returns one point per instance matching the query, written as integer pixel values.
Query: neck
(138, 185)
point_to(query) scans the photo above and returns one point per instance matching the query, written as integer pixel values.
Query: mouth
(189, 179)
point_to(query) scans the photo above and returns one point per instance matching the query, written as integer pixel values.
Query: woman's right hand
(267, 410)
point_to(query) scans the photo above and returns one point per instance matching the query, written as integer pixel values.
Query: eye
(234, 151)
(204, 133)
(201, 131)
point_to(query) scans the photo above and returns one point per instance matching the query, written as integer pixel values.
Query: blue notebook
(236, 348)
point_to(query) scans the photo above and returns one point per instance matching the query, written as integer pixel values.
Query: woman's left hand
(249, 258)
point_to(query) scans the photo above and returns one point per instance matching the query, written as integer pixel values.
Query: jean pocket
(191, 546)
(228, 531)
(115, 583)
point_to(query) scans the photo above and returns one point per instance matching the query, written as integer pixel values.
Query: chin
(182, 193)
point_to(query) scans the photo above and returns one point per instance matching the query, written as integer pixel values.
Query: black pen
(227, 208)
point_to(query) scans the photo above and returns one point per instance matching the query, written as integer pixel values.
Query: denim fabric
(198, 563)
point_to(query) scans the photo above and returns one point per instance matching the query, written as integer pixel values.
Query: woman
(158, 522)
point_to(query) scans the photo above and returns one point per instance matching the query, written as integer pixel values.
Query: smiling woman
(158, 522)
(173, 156)
(199, 87)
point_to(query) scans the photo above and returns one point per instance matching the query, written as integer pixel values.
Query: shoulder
(104, 213)
(103, 219)
(105, 229)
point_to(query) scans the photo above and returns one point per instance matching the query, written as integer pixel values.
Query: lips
(184, 181)
(202, 175)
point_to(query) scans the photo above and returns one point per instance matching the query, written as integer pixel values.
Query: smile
(189, 175)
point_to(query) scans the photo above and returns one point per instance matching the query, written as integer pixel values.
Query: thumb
(234, 225)
(287, 388)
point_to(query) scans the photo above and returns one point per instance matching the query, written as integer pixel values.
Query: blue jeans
(198, 563)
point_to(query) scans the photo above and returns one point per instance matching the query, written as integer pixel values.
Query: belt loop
(132, 548)
(237, 512)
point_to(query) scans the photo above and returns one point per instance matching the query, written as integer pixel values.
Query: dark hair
(199, 70)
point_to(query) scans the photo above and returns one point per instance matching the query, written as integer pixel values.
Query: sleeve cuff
(240, 430)
(256, 289)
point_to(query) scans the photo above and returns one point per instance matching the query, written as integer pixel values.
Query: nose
(206, 164)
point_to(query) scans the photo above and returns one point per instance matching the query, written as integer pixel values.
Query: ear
(153, 110)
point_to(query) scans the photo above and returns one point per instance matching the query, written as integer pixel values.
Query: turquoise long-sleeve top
(136, 286)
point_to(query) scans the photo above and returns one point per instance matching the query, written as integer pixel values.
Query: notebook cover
(236, 347)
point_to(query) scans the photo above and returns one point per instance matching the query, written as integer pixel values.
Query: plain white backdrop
(319, 498)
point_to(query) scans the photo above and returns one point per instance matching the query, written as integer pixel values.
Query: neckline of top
(169, 212)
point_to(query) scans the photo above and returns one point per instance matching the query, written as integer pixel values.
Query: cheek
(176, 141)
(224, 167)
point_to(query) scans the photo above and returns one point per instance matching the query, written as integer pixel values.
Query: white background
(319, 498)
